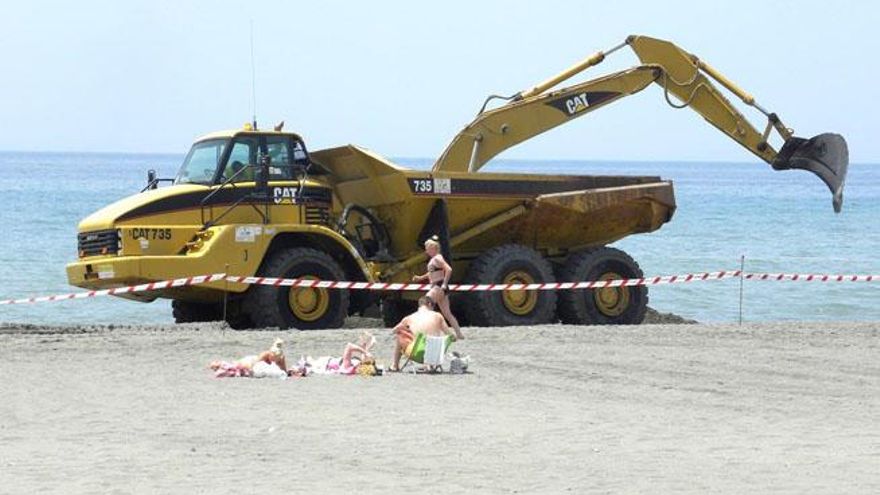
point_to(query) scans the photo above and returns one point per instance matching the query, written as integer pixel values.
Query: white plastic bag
(263, 369)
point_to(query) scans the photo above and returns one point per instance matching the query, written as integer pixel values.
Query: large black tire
(269, 306)
(394, 310)
(192, 312)
(236, 316)
(511, 263)
(458, 302)
(610, 306)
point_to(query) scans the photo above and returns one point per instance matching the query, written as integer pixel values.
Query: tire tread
(261, 302)
(481, 308)
(571, 309)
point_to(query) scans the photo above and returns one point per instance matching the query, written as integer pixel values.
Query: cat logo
(577, 103)
(284, 195)
(572, 105)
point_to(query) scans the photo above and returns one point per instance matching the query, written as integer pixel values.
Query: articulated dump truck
(254, 202)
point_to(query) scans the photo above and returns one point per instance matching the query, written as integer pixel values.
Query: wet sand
(776, 408)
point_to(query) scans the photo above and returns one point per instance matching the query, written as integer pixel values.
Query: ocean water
(780, 222)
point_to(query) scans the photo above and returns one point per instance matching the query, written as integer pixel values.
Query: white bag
(262, 369)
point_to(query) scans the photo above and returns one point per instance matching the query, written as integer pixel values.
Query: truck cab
(235, 157)
(237, 196)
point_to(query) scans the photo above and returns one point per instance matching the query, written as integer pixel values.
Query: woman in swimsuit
(439, 273)
(245, 366)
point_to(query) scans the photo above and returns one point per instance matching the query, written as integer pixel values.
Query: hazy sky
(403, 77)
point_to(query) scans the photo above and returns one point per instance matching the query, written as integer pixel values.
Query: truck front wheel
(607, 306)
(298, 307)
(510, 264)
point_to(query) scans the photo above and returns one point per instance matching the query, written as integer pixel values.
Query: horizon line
(610, 160)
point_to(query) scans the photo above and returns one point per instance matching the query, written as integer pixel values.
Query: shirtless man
(425, 320)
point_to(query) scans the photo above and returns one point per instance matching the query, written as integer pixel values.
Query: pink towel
(231, 370)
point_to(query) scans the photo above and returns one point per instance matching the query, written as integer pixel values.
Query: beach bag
(458, 364)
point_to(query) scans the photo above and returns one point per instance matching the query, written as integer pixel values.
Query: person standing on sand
(425, 320)
(439, 273)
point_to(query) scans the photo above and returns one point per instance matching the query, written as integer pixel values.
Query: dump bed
(549, 212)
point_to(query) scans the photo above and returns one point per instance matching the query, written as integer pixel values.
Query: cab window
(241, 166)
(299, 154)
(278, 152)
(241, 160)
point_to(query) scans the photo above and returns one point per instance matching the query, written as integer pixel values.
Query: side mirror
(152, 183)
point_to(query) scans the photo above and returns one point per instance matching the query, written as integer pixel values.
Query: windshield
(201, 162)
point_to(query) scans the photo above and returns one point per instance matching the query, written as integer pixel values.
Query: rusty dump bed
(549, 212)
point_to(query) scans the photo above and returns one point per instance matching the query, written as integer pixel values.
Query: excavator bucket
(826, 155)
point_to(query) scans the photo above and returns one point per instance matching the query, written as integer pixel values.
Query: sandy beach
(774, 408)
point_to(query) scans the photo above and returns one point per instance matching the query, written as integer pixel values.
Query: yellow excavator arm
(680, 74)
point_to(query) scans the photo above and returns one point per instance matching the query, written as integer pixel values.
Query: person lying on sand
(245, 366)
(425, 320)
(352, 356)
(361, 350)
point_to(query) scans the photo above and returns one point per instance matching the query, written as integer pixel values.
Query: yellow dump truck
(258, 202)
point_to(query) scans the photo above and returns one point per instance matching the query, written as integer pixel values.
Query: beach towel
(231, 370)
(416, 350)
(435, 349)
(326, 365)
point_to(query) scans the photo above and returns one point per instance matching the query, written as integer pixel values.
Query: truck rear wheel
(514, 264)
(608, 306)
(192, 312)
(394, 310)
(302, 308)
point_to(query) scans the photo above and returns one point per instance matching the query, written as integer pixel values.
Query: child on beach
(355, 358)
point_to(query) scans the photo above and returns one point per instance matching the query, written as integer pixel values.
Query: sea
(729, 214)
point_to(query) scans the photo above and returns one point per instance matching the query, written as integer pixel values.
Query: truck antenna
(253, 80)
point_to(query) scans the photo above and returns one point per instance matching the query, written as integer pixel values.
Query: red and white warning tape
(387, 286)
(164, 284)
(809, 277)
(598, 284)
